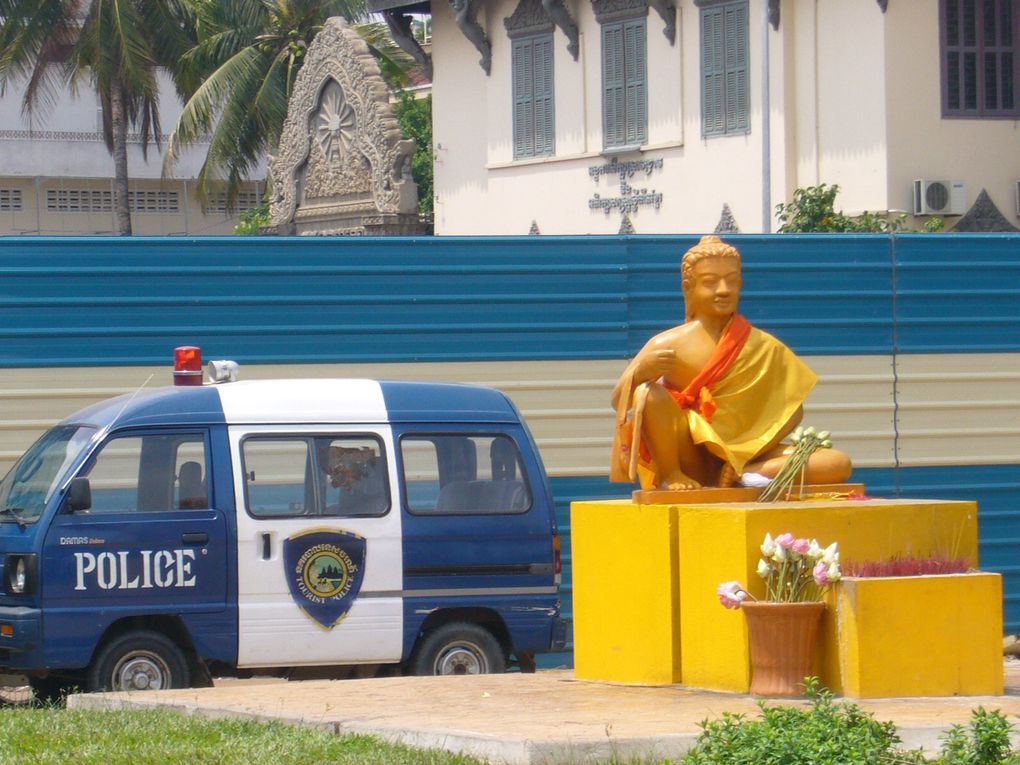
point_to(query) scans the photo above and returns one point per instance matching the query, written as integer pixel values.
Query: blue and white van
(286, 526)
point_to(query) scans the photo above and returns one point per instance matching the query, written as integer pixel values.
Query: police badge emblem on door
(324, 570)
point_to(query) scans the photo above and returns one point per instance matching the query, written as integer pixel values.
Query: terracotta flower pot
(783, 638)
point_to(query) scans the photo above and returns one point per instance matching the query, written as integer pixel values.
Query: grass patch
(140, 737)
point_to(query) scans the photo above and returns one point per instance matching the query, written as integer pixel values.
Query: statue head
(707, 265)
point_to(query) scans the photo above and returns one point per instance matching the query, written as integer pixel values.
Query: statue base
(646, 611)
(743, 494)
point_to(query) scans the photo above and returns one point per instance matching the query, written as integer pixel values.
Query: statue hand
(655, 364)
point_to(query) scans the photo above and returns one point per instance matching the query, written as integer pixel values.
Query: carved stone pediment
(613, 10)
(528, 18)
(343, 164)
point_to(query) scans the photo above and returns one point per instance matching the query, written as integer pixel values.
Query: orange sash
(698, 393)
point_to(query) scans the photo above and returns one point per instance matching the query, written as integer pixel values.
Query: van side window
(150, 473)
(463, 474)
(340, 476)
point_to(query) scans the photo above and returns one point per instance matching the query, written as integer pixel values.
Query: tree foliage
(812, 209)
(415, 115)
(114, 45)
(238, 76)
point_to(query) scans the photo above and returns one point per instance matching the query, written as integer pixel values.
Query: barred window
(724, 68)
(979, 65)
(154, 201)
(79, 200)
(246, 200)
(10, 200)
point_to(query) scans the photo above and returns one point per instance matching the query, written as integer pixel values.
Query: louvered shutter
(613, 115)
(523, 87)
(712, 72)
(735, 32)
(636, 91)
(545, 141)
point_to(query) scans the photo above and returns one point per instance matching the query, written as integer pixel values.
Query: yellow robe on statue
(756, 397)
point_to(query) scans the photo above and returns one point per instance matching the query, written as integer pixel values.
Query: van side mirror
(79, 495)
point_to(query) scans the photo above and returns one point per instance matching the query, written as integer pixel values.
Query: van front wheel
(138, 661)
(458, 648)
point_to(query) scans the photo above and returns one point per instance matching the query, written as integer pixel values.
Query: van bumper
(20, 629)
(559, 635)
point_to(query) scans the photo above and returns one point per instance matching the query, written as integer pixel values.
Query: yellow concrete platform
(645, 576)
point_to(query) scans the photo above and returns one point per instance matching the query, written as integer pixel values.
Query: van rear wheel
(138, 661)
(459, 648)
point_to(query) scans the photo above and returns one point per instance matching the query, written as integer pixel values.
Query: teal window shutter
(624, 83)
(545, 142)
(532, 73)
(636, 95)
(724, 69)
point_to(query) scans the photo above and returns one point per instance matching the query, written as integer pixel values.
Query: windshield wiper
(15, 513)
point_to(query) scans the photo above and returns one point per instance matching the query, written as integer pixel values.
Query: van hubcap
(141, 671)
(462, 659)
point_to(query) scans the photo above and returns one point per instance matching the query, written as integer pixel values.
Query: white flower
(768, 547)
(779, 555)
(833, 572)
(764, 569)
(830, 554)
(815, 551)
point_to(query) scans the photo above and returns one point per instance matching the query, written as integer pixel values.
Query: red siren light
(187, 365)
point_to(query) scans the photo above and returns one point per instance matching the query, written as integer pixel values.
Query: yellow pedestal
(626, 592)
(632, 624)
(921, 635)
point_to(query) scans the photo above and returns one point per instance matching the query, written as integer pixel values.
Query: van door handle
(195, 538)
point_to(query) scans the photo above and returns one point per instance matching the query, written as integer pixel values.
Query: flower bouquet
(783, 626)
(794, 570)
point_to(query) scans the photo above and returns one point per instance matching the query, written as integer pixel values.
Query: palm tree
(116, 45)
(238, 77)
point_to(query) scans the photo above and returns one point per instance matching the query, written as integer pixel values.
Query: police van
(284, 526)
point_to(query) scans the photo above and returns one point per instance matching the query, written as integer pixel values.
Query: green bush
(825, 733)
(812, 209)
(415, 116)
(252, 219)
(831, 733)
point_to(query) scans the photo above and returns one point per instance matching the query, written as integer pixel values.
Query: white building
(56, 175)
(599, 114)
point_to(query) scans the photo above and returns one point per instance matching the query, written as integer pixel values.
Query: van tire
(458, 648)
(138, 660)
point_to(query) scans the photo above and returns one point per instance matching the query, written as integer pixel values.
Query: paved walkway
(548, 717)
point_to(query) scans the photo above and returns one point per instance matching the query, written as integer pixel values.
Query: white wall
(481, 190)
(985, 153)
(854, 101)
(60, 146)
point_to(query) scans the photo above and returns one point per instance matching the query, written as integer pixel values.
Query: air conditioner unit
(939, 197)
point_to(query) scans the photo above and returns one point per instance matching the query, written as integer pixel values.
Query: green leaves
(812, 209)
(841, 733)
(239, 73)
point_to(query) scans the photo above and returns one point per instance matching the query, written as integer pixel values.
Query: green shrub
(825, 733)
(252, 219)
(812, 209)
(830, 733)
(984, 742)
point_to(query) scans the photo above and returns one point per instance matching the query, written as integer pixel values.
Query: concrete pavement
(516, 719)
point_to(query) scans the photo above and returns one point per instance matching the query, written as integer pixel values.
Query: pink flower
(801, 546)
(821, 574)
(731, 594)
(786, 540)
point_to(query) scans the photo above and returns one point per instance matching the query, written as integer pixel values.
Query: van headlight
(19, 574)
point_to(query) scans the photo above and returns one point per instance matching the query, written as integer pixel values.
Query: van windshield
(28, 487)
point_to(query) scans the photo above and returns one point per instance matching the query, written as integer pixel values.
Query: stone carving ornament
(343, 164)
